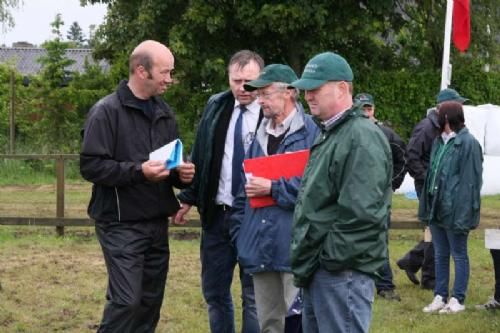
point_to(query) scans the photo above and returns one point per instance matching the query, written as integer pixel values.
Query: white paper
(162, 154)
(492, 239)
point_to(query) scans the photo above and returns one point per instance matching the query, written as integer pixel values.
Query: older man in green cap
(262, 235)
(340, 222)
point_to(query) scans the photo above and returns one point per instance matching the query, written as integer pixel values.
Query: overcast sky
(33, 18)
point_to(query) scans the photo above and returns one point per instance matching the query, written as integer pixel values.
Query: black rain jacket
(117, 139)
(418, 150)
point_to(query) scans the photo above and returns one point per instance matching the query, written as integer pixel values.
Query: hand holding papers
(170, 153)
(274, 167)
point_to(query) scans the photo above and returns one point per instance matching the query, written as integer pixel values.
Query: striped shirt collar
(329, 122)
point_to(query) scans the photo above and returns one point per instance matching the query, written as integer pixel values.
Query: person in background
(417, 157)
(450, 204)
(494, 302)
(339, 230)
(225, 132)
(385, 285)
(262, 235)
(132, 197)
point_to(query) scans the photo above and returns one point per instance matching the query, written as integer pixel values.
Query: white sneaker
(453, 306)
(492, 304)
(437, 304)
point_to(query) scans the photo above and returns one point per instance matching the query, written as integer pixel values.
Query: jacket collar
(128, 99)
(297, 123)
(355, 111)
(459, 138)
(433, 117)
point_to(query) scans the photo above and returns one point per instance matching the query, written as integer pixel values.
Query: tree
(203, 35)
(91, 39)
(75, 35)
(376, 37)
(5, 16)
(58, 125)
(421, 38)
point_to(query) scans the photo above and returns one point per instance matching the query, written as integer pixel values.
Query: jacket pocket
(103, 204)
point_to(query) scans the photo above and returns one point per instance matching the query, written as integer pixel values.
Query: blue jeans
(445, 241)
(218, 260)
(338, 302)
(386, 279)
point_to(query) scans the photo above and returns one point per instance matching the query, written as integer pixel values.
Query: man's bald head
(150, 65)
(144, 55)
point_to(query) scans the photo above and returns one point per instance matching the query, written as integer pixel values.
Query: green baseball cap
(270, 74)
(364, 99)
(449, 94)
(324, 67)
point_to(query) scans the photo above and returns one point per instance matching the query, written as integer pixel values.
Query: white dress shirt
(250, 119)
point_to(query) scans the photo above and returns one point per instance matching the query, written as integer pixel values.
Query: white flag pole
(446, 67)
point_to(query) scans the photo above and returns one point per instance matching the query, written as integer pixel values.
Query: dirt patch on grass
(184, 234)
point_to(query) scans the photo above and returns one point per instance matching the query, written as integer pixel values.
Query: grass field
(51, 284)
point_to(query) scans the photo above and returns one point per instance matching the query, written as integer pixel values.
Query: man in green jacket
(339, 228)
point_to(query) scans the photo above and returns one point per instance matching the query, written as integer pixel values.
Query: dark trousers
(495, 254)
(293, 324)
(136, 256)
(385, 282)
(421, 257)
(218, 261)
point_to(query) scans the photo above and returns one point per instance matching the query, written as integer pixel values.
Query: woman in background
(450, 204)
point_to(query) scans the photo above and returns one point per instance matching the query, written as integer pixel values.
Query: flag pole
(446, 66)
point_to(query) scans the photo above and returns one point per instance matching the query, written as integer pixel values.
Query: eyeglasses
(267, 95)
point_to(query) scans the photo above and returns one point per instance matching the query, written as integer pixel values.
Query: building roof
(25, 59)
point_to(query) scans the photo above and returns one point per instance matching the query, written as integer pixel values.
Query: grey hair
(285, 86)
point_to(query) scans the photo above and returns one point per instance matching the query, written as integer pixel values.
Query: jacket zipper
(118, 205)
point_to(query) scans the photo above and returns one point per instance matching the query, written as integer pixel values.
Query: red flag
(461, 24)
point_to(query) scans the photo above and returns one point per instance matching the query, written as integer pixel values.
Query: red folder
(274, 167)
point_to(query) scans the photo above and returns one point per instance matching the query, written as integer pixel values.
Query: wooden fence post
(60, 192)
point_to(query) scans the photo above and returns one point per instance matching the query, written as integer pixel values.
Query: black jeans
(136, 256)
(495, 254)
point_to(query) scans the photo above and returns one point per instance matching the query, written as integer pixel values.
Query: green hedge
(401, 97)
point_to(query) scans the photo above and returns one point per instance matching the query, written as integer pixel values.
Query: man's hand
(186, 172)
(258, 187)
(179, 217)
(154, 171)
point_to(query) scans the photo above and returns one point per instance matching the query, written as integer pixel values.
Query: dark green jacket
(207, 155)
(454, 201)
(340, 220)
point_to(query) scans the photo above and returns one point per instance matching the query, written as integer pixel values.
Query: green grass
(36, 172)
(52, 284)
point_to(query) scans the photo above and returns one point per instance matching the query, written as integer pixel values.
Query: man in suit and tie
(226, 129)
